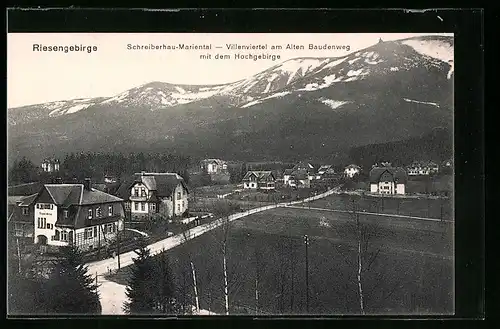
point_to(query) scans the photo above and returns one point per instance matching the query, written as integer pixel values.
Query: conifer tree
(141, 289)
(70, 288)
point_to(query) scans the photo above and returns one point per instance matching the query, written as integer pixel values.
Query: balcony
(141, 198)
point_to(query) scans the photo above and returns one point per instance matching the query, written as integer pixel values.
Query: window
(153, 207)
(25, 211)
(136, 190)
(182, 204)
(19, 229)
(90, 214)
(109, 228)
(98, 212)
(178, 195)
(65, 212)
(178, 208)
(95, 231)
(41, 223)
(143, 206)
(110, 210)
(37, 206)
(143, 192)
(136, 206)
(56, 237)
(64, 236)
(88, 233)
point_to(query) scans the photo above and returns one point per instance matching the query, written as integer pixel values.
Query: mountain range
(312, 108)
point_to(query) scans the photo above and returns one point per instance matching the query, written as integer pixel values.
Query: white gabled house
(263, 180)
(74, 214)
(388, 180)
(422, 168)
(352, 170)
(214, 166)
(152, 193)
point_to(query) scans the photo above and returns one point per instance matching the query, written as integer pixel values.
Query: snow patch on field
(394, 69)
(334, 63)
(257, 101)
(420, 102)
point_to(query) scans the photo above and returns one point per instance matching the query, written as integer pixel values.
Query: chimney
(143, 173)
(87, 184)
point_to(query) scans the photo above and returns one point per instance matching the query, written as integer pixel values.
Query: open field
(419, 207)
(412, 273)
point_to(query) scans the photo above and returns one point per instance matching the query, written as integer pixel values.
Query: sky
(43, 76)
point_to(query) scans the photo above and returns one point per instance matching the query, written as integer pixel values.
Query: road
(104, 266)
(113, 294)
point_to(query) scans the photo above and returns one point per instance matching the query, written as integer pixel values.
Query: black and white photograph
(216, 174)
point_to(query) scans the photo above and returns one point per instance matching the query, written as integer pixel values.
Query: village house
(300, 175)
(422, 168)
(263, 180)
(69, 214)
(388, 180)
(155, 193)
(20, 220)
(352, 170)
(50, 165)
(214, 166)
(324, 169)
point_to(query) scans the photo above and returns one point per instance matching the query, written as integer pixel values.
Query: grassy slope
(412, 274)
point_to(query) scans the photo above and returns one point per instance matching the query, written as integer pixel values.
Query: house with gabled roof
(263, 180)
(352, 170)
(324, 169)
(73, 214)
(422, 168)
(300, 175)
(50, 165)
(155, 193)
(388, 180)
(214, 166)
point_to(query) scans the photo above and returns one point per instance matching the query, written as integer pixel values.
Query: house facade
(324, 169)
(388, 180)
(50, 165)
(422, 168)
(155, 193)
(214, 166)
(300, 175)
(73, 214)
(352, 170)
(263, 180)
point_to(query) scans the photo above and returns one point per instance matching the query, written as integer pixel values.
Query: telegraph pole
(306, 241)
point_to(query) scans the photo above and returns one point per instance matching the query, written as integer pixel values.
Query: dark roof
(398, 175)
(28, 200)
(163, 183)
(66, 195)
(259, 174)
(25, 189)
(288, 172)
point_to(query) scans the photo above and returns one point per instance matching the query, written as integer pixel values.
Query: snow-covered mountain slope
(292, 76)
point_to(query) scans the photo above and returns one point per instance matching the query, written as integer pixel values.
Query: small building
(73, 214)
(110, 179)
(20, 219)
(155, 193)
(50, 165)
(263, 180)
(388, 180)
(214, 166)
(300, 179)
(422, 168)
(352, 170)
(324, 169)
(299, 174)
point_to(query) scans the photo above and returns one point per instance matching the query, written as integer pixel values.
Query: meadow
(411, 271)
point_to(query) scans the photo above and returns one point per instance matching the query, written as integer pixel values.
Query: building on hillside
(214, 166)
(300, 179)
(73, 214)
(388, 180)
(382, 164)
(262, 180)
(324, 169)
(154, 193)
(300, 175)
(50, 165)
(20, 219)
(110, 179)
(352, 170)
(422, 168)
